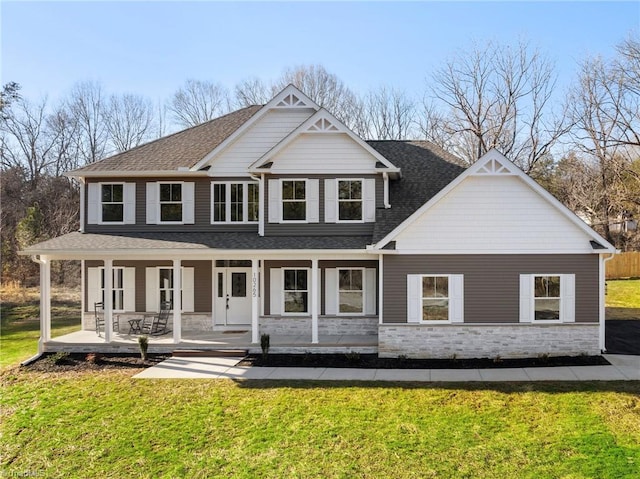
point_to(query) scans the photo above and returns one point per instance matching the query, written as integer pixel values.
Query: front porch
(88, 341)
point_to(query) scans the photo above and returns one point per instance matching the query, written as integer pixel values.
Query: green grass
(20, 327)
(623, 299)
(106, 424)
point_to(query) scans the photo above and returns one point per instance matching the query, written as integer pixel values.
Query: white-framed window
(159, 287)
(435, 298)
(295, 287)
(235, 202)
(123, 286)
(547, 298)
(294, 200)
(351, 291)
(349, 200)
(117, 288)
(170, 200)
(112, 202)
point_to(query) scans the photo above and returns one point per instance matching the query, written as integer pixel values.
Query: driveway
(622, 336)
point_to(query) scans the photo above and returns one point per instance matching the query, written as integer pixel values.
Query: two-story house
(278, 219)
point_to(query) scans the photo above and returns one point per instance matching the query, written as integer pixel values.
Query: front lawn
(106, 424)
(20, 324)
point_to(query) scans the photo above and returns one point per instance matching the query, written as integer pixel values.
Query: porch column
(177, 301)
(255, 333)
(314, 301)
(107, 302)
(45, 302)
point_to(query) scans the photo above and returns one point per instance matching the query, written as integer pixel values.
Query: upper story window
(112, 199)
(171, 202)
(111, 203)
(349, 200)
(294, 200)
(235, 202)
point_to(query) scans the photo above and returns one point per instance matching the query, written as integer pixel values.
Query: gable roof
(289, 98)
(180, 150)
(322, 122)
(426, 169)
(494, 163)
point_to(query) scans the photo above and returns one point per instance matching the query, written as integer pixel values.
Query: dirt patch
(60, 362)
(372, 361)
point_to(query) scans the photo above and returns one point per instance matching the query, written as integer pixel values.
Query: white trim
(282, 201)
(601, 290)
(82, 206)
(146, 174)
(314, 303)
(282, 291)
(262, 205)
(227, 202)
(337, 200)
(455, 299)
(322, 114)
(100, 202)
(176, 305)
(380, 287)
(363, 290)
(289, 89)
(494, 157)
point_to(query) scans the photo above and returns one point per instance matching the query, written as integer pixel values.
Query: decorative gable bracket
(293, 101)
(493, 167)
(323, 125)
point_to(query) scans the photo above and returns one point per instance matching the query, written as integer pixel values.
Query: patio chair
(157, 324)
(99, 317)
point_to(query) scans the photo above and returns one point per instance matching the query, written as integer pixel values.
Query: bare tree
(86, 104)
(390, 114)
(494, 97)
(252, 91)
(9, 94)
(128, 120)
(198, 101)
(26, 141)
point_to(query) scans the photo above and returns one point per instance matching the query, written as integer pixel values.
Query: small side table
(134, 326)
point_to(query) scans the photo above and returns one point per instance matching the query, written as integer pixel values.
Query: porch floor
(89, 341)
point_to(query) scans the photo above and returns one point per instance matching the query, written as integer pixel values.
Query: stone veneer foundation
(327, 325)
(487, 341)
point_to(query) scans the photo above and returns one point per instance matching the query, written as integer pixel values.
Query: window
(350, 290)
(171, 202)
(296, 292)
(235, 202)
(435, 298)
(166, 284)
(112, 200)
(117, 288)
(546, 294)
(294, 205)
(350, 200)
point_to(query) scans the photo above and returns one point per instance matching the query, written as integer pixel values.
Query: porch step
(208, 353)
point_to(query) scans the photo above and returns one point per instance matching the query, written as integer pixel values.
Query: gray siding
(322, 265)
(321, 229)
(202, 281)
(491, 283)
(202, 212)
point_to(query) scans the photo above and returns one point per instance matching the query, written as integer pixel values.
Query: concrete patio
(89, 341)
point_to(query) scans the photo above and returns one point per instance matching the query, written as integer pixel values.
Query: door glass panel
(239, 285)
(220, 285)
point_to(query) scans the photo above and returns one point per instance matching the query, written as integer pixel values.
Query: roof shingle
(179, 150)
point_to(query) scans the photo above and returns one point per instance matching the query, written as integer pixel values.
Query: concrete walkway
(622, 368)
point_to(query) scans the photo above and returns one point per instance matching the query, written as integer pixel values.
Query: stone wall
(327, 325)
(488, 341)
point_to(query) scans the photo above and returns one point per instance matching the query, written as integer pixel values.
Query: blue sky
(152, 47)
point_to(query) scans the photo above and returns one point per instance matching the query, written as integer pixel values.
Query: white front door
(233, 296)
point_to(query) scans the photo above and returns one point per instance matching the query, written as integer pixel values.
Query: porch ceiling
(85, 245)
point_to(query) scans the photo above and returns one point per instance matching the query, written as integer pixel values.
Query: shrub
(265, 344)
(143, 342)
